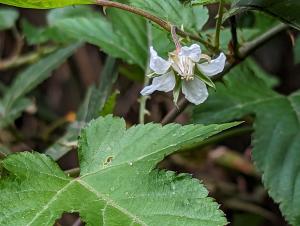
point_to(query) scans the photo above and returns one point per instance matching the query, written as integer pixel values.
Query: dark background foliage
(224, 167)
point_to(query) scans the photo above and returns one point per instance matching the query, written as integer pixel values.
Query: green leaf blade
(45, 4)
(286, 11)
(124, 39)
(127, 190)
(192, 18)
(8, 18)
(277, 131)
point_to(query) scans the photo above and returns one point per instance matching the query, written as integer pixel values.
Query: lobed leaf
(277, 130)
(118, 184)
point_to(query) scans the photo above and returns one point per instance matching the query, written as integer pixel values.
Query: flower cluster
(182, 64)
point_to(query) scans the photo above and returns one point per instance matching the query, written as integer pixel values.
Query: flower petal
(193, 52)
(213, 67)
(163, 83)
(195, 91)
(158, 64)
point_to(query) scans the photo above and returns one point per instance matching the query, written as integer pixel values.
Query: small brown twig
(172, 115)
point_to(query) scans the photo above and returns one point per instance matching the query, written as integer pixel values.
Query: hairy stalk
(244, 51)
(219, 24)
(162, 23)
(143, 99)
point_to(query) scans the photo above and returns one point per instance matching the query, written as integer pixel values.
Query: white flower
(182, 63)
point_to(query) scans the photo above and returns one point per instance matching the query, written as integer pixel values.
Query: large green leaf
(13, 102)
(277, 131)
(287, 11)
(118, 184)
(8, 18)
(44, 4)
(192, 18)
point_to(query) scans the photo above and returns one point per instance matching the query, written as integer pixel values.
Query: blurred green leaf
(297, 50)
(8, 18)
(13, 102)
(9, 116)
(250, 26)
(286, 11)
(192, 18)
(124, 38)
(34, 35)
(45, 4)
(206, 2)
(277, 130)
(56, 15)
(110, 104)
(247, 219)
(91, 108)
(118, 182)
(100, 94)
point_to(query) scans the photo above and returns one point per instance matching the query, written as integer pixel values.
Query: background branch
(234, 38)
(28, 58)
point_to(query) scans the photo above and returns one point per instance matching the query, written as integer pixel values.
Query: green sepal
(176, 90)
(205, 78)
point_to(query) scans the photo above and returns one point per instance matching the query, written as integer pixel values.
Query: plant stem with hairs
(162, 23)
(219, 24)
(143, 99)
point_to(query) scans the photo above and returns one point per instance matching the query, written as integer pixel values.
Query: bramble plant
(120, 177)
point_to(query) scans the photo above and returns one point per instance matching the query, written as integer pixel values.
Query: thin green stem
(219, 24)
(143, 99)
